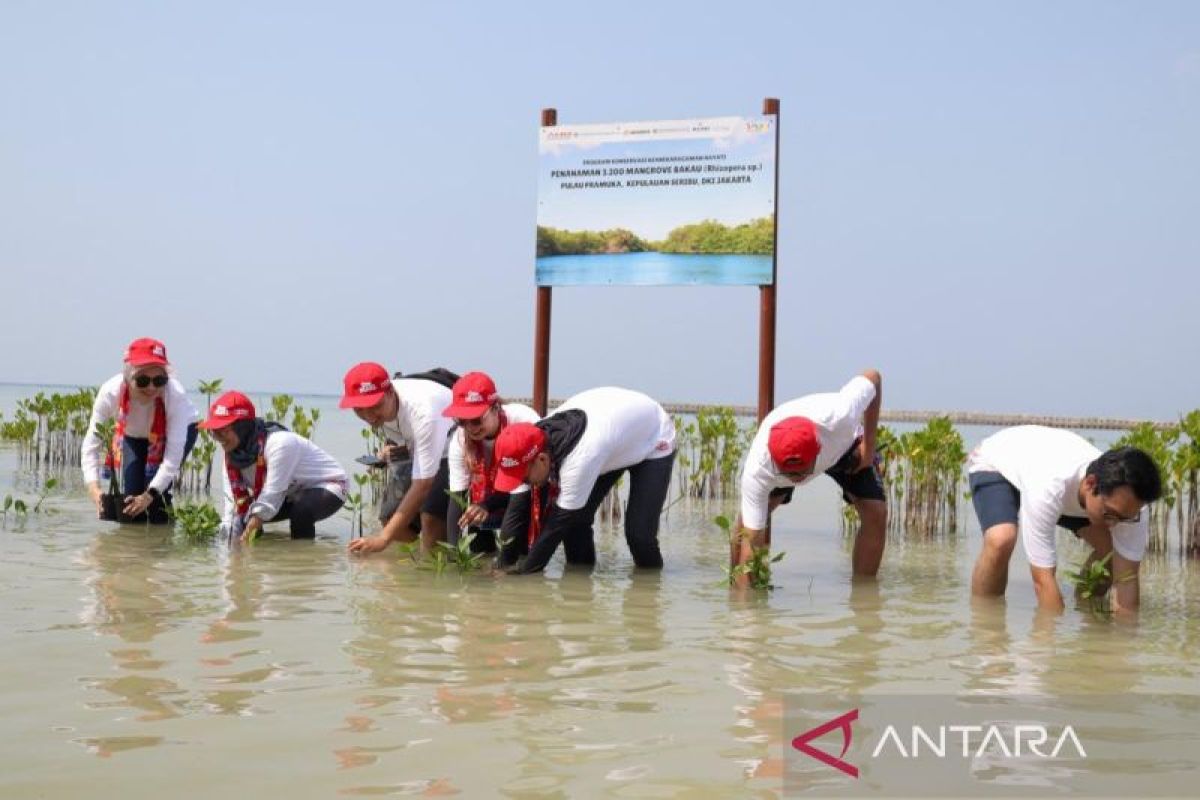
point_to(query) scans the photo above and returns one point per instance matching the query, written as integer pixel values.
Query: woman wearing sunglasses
(155, 431)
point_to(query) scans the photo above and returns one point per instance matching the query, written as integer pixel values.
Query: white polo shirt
(838, 420)
(624, 428)
(180, 414)
(1046, 465)
(419, 423)
(460, 473)
(294, 464)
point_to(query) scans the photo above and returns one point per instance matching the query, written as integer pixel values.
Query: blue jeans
(133, 462)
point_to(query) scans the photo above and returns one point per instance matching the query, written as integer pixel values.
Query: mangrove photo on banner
(654, 203)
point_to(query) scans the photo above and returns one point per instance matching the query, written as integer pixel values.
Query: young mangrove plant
(757, 568)
(708, 452)
(922, 475)
(197, 520)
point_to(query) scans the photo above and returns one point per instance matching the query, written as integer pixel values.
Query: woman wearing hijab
(155, 430)
(271, 474)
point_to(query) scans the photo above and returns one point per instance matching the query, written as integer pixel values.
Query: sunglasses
(1113, 518)
(142, 381)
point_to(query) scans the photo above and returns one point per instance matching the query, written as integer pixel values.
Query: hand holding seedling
(251, 530)
(369, 544)
(137, 504)
(474, 514)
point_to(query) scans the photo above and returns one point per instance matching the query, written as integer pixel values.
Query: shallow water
(138, 665)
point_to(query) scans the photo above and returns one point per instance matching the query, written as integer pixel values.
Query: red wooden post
(766, 295)
(766, 303)
(541, 330)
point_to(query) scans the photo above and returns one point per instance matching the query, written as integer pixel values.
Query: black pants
(133, 474)
(649, 483)
(307, 509)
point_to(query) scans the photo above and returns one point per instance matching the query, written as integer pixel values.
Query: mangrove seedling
(459, 554)
(197, 521)
(758, 567)
(46, 489)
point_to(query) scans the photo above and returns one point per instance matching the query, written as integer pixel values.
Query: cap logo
(367, 386)
(158, 351)
(220, 411)
(508, 462)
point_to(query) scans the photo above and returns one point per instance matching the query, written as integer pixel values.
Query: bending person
(271, 474)
(571, 460)
(831, 433)
(1031, 479)
(480, 415)
(155, 430)
(409, 413)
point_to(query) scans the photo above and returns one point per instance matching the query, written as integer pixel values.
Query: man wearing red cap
(481, 415)
(834, 434)
(409, 413)
(571, 460)
(154, 432)
(271, 474)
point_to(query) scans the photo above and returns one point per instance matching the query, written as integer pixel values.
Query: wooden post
(541, 330)
(766, 304)
(766, 295)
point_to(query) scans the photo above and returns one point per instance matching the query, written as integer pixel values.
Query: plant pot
(111, 506)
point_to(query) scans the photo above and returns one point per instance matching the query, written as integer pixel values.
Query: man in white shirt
(1031, 479)
(409, 412)
(571, 460)
(831, 433)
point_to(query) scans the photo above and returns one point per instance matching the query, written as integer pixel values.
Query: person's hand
(866, 456)
(473, 515)
(252, 529)
(369, 544)
(392, 452)
(96, 494)
(137, 503)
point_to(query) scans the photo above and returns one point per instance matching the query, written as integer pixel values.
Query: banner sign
(657, 203)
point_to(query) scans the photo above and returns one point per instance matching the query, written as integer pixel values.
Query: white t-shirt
(1047, 465)
(838, 419)
(624, 428)
(419, 423)
(180, 414)
(293, 465)
(460, 473)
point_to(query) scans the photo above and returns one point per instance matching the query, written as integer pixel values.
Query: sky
(995, 204)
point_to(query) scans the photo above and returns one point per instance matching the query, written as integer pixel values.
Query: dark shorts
(863, 485)
(998, 502)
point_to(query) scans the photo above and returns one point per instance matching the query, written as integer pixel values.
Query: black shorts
(998, 502)
(435, 501)
(862, 485)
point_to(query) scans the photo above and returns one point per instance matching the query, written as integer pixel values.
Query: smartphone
(371, 461)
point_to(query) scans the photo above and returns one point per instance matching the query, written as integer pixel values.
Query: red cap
(366, 384)
(474, 394)
(793, 444)
(146, 353)
(515, 447)
(228, 409)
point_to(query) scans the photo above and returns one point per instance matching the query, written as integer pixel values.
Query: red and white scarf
(243, 495)
(482, 464)
(157, 438)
